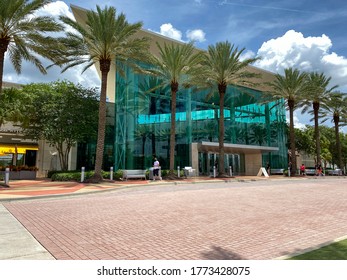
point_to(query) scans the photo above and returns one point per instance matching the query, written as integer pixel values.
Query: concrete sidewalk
(16, 243)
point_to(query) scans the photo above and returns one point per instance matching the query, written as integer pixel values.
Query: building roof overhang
(213, 147)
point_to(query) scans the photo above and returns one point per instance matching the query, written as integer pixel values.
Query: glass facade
(138, 126)
(142, 116)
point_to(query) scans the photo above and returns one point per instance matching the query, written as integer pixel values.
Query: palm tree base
(224, 175)
(94, 179)
(173, 176)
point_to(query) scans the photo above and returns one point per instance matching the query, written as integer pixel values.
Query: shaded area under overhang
(213, 147)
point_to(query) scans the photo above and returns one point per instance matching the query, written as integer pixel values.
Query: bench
(137, 173)
(278, 171)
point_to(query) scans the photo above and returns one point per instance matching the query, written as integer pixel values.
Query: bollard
(214, 172)
(111, 173)
(7, 176)
(288, 171)
(178, 171)
(82, 174)
(230, 171)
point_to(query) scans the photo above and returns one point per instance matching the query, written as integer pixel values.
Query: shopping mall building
(138, 126)
(139, 123)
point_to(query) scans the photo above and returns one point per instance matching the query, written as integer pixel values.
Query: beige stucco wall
(194, 155)
(253, 163)
(48, 159)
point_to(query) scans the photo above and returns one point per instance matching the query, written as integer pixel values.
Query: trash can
(151, 177)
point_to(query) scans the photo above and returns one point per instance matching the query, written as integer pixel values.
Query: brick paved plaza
(262, 219)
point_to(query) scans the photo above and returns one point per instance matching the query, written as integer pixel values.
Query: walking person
(268, 168)
(303, 169)
(156, 168)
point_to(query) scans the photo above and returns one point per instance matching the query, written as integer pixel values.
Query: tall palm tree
(336, 107)
(223, 67)
(104, 38)
(21, 34)
(317, 95)
(176, 65)
(291, 87)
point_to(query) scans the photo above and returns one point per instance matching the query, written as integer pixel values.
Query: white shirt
(156, 164)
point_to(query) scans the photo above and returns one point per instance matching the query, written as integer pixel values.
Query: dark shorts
(156, 171)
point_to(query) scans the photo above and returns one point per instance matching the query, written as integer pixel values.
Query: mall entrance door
(208, 160)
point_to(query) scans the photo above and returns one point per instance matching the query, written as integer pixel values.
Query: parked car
(336, 172)
(310, 171)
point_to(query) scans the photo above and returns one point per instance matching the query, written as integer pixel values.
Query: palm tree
(317, 95)
(223, 67)
(104, 38)
(336, 107)
(291, 87)
(176, 65)
(21, 34)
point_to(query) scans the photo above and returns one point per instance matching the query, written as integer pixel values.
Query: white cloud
(246, 55)
(196, 35)
(55, 9)
(168, 30)
(304, 53)
(299, 122)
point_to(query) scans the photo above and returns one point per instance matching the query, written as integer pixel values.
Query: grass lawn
(335, 251)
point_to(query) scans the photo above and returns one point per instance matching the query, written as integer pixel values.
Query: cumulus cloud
(246, 55)
(196, 35)
(299, 121)
(168, 30)
(304, 53)
(55, 9)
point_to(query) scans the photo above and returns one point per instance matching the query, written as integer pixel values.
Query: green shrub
(118, 174)
(165, 172)
(76, 175)
(51, 172)
(68, 176)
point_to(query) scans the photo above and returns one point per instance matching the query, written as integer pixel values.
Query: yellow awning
(21, 149)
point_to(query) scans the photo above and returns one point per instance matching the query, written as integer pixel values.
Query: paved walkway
(237, 219)
(26, 189)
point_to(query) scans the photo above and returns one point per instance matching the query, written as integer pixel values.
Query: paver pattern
(232, 220)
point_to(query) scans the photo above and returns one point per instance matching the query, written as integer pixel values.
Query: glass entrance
(208, 160)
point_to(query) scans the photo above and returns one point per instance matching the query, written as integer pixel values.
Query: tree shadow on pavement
(218, 253)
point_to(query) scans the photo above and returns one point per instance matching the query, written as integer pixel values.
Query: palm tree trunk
(143, 150)
(316, 132)
(222, 90)
(153, 143)
(338, 143)
(104, 68)
(292, 136)
(174, 88)
(3, 48)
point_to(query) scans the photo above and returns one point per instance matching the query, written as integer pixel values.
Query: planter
(21, 175)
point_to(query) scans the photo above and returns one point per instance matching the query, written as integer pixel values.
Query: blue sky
(308, 34)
